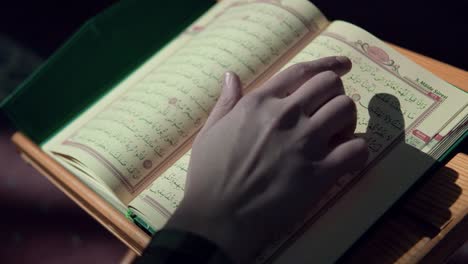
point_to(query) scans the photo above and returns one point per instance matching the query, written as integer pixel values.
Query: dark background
(438, 29)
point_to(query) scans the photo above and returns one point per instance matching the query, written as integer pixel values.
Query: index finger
(289, 80)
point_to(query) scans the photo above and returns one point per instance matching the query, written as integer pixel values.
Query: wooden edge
(452, 235)
(449, 238)
(455, 233)
(453, 75)
(83, 196)
(441, 247)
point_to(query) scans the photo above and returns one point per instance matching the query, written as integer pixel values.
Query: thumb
(231, 94)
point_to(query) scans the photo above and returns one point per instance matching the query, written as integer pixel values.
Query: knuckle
(272, 121)
(361, 144)
(250, 102)
(227, 101)
(347, 104)
(283, 115)
(302, 143)
(332, 78)
(301, 69)
(361, 149)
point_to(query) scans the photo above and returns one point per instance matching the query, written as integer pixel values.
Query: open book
(132, 146)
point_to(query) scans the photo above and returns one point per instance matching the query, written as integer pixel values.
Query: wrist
(183, 247)
(216, 227)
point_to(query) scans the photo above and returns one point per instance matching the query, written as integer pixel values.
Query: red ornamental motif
(356, 97)
(197, 28)
(434, 96)
(438, 137)
(378, 54)
(421, 135)
(147, 164)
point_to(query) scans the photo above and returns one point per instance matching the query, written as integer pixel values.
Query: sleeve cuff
(174, 246)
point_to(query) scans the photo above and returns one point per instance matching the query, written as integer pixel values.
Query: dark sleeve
(173, 246)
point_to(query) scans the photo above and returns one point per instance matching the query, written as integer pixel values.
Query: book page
(129, 141)
(74, 160)
(400, 107)
(157, 203)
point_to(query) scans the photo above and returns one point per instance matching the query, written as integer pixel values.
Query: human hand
(263, 160)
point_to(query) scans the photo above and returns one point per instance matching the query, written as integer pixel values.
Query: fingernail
(343, 59)
(228, 78)
(344, 65)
